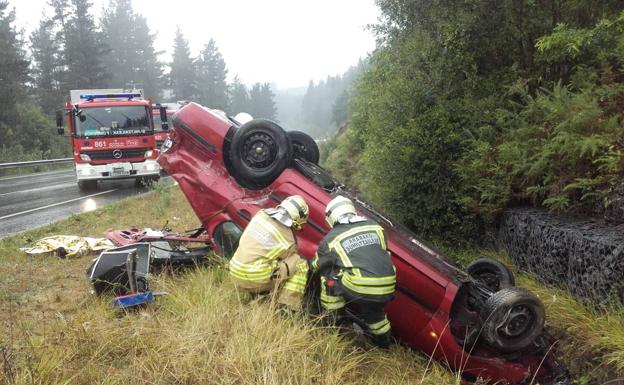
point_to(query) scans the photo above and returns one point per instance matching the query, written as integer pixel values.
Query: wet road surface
(34, 200)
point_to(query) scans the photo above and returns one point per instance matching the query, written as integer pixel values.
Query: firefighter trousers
(340, 306)
(287, 284)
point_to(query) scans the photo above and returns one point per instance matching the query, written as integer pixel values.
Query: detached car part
(125, 270)
(135, 234)
(121, 271)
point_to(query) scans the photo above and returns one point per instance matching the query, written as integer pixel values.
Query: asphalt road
(34, 200)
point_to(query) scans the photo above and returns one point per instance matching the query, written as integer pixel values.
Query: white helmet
(338, 208)
(297, 210)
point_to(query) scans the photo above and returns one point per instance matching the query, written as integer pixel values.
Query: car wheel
(146, 181)
(140, 182)
(512, 319)
(491, 273)
(304, 147)
(87, 185)
(260, 151)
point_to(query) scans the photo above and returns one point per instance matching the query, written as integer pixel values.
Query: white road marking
(56, 204)
(37, 174)
(52, 187)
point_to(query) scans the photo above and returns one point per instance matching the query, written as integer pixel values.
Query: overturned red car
(478, 324)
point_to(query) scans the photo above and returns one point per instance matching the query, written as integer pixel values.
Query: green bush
(453, 122)
(34, 137)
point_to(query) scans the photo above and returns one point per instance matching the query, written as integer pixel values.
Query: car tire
(512, 319)
(87, 185)
(304, 147)
(146, 181)
(491, 273)
(259, 152)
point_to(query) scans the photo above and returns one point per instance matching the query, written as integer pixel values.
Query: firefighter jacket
(356, 254)
(262, 252)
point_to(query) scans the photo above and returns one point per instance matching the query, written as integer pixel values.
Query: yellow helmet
(337, 208)
(297, 209)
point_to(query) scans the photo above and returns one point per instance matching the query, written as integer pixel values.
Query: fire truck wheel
(87, 185)
(260, 151)
(304, 147)
(512, 319)
(491, 273)
(146, 181)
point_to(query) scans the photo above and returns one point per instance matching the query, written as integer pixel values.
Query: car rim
(299, 149)
(259, 150)
(489, 278)
(517, 322)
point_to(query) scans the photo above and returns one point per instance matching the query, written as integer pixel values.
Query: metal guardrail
(35, 163)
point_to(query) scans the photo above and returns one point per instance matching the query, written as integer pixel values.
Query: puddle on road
(88, 205)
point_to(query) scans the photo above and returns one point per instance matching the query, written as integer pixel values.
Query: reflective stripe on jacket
(262, 245)
(356, 252)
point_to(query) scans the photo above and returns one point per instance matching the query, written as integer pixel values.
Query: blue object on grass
(133, 299)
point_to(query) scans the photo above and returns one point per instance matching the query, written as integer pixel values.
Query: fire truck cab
(112, 135)
(161, 128)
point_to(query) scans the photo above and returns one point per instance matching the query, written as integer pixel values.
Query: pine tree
(82, 45)
(309, 103)
(211, 74)
(132, 59)
(239, 97)
(45, 69)
(261, 102)
(340, 109)
(255, 108)
(150, 73)
(183, 76)
(269, 110)
(13, 71)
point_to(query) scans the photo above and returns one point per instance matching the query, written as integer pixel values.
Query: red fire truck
(112, 135)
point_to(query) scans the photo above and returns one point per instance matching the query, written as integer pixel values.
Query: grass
(52, 331)
(591, 342)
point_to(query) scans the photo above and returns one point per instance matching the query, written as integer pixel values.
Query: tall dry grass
(52, 331)
(204, 332)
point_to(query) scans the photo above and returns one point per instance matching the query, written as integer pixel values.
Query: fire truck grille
(126, 153)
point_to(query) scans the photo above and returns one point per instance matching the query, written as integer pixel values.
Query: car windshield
(113, 121)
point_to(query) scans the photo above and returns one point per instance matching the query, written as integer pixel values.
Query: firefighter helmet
(297, 210)
(338, 208)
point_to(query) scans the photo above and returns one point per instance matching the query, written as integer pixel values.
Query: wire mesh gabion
(585, 256)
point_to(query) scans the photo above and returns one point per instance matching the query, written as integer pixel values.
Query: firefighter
(266, 259)
(355, 270)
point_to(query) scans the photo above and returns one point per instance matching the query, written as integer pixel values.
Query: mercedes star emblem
(117, 154)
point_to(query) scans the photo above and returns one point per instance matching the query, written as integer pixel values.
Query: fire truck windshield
(157, 121)
(113, 121)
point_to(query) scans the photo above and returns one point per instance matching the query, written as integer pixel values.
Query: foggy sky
(287, 42)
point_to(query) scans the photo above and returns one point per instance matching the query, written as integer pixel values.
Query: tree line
(471, 107)
(70, 49)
